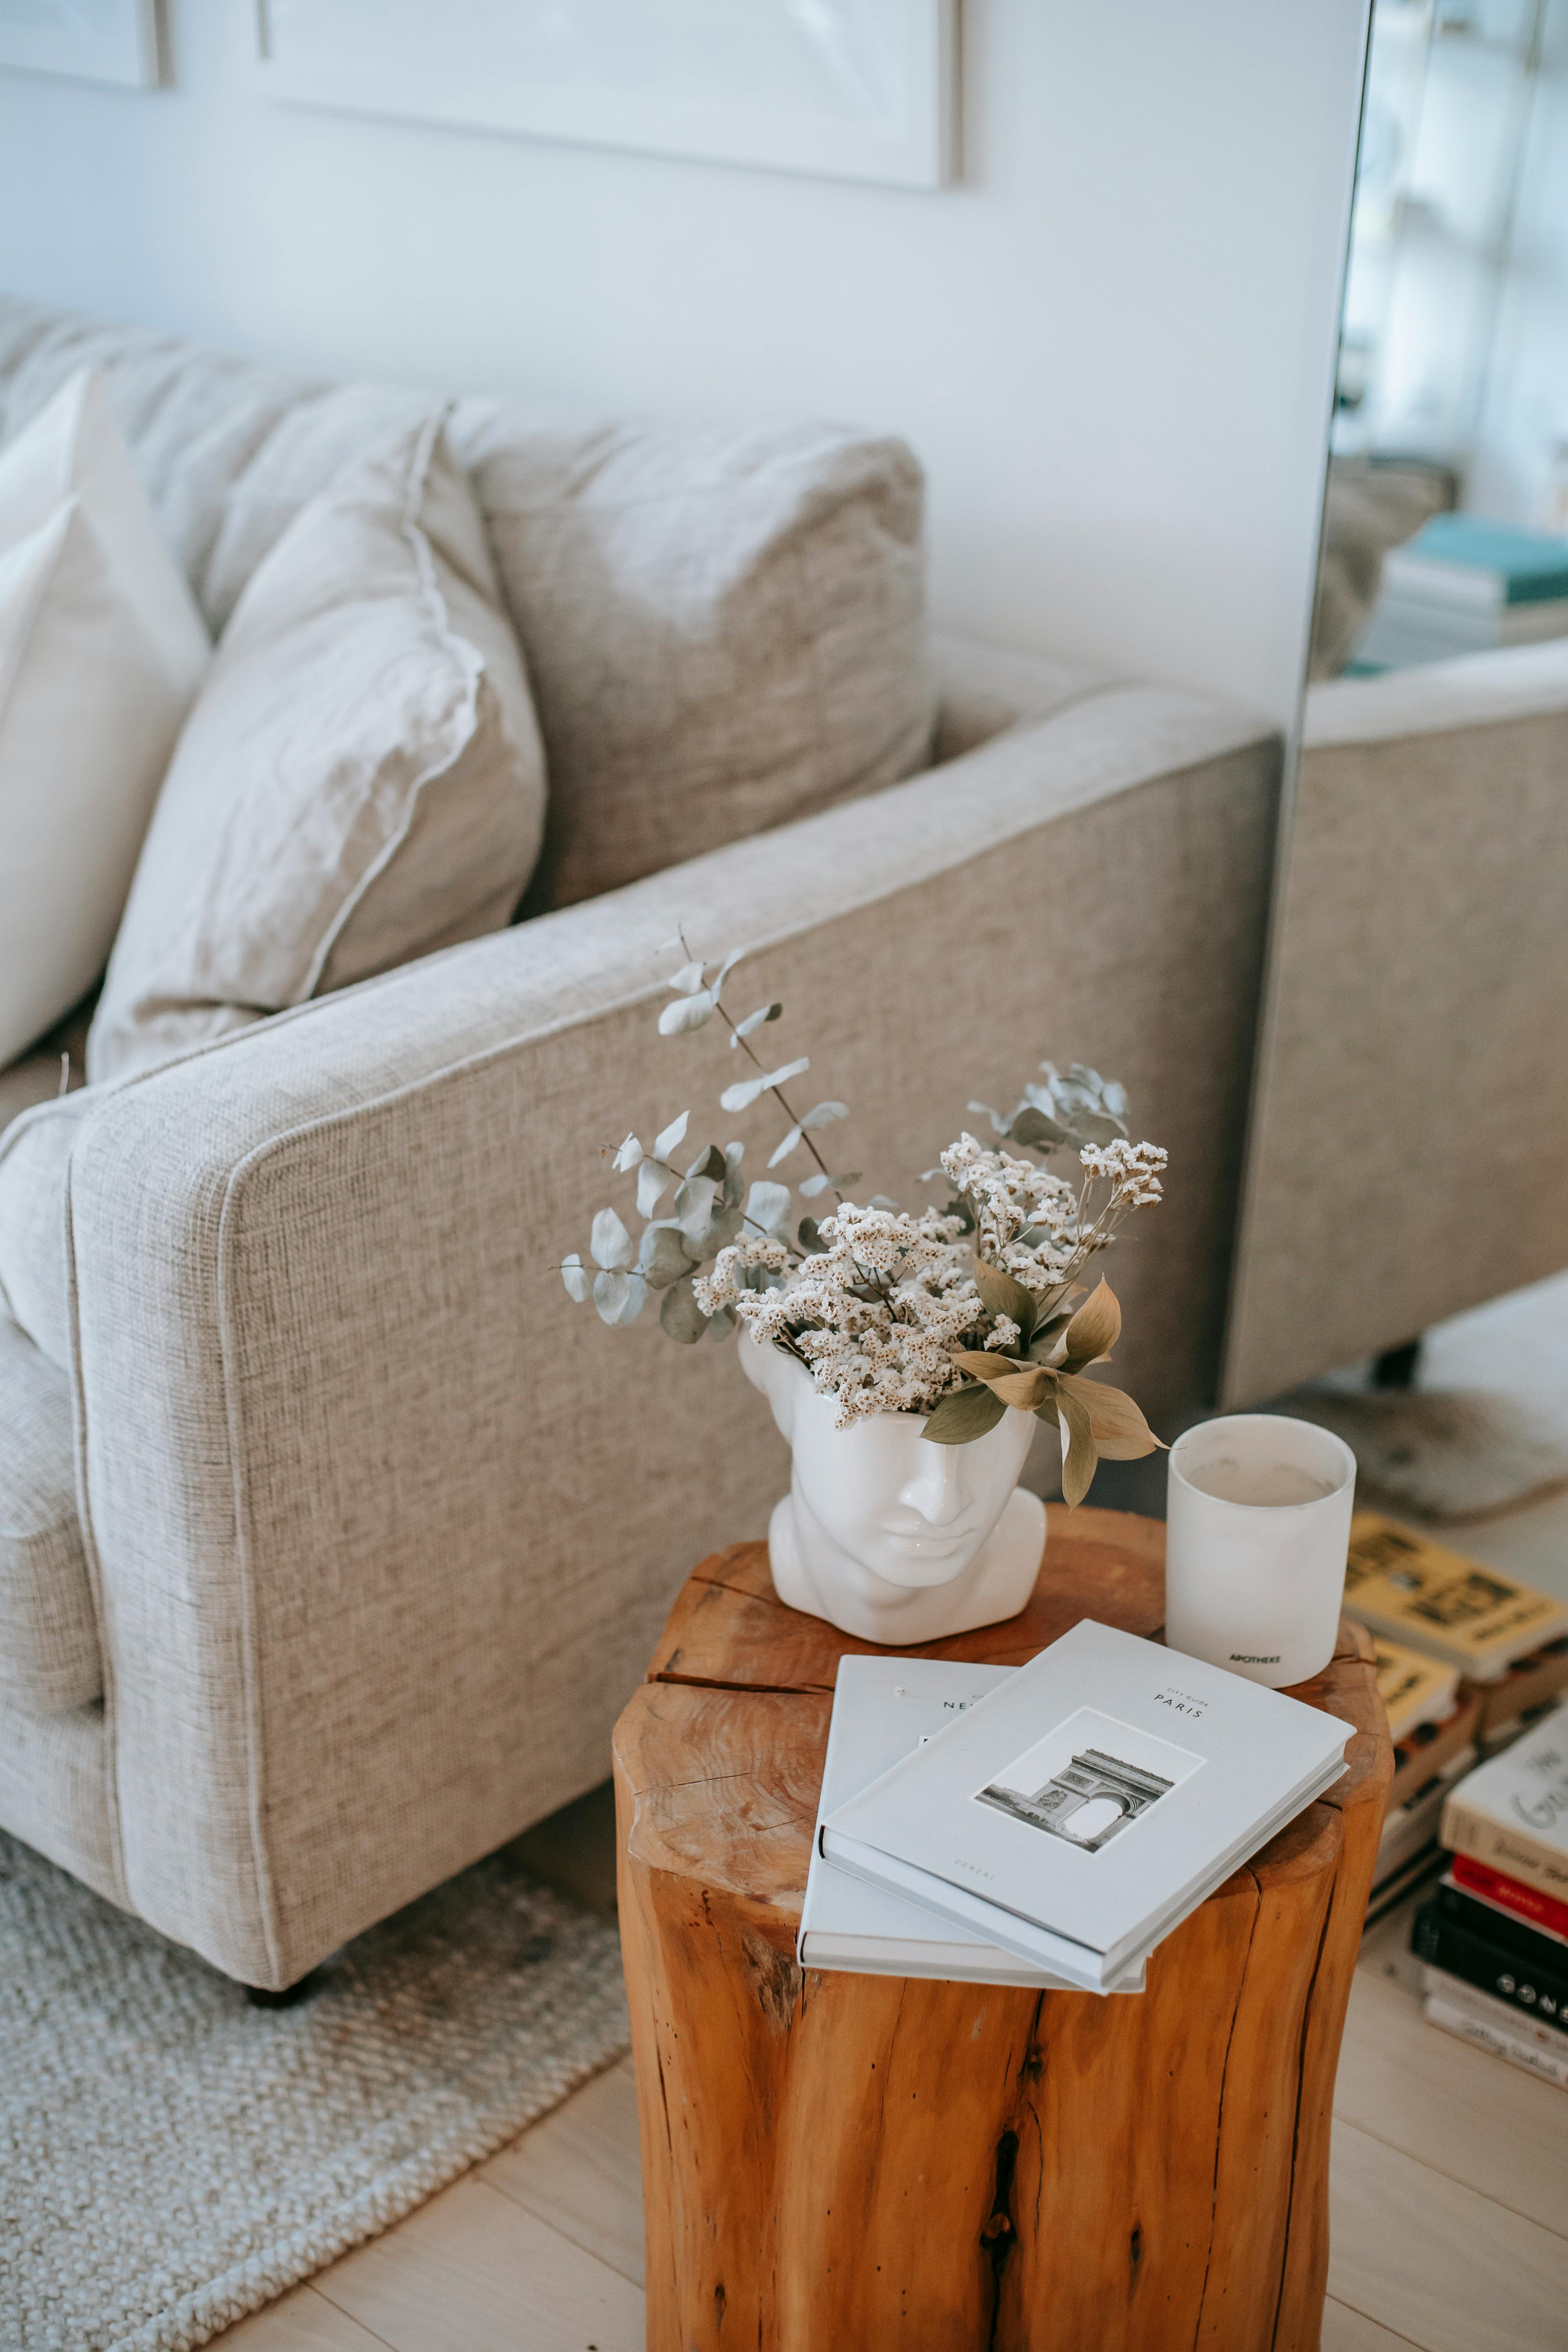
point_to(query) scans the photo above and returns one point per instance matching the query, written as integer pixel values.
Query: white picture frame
(854, 90)
(114, 41)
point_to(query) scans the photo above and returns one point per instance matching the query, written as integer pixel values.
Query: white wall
(1113, 346)
(1522, 457)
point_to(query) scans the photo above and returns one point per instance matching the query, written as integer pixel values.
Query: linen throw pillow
(360, 782)
(101, 650)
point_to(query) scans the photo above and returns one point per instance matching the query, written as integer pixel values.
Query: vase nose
(935, 1491)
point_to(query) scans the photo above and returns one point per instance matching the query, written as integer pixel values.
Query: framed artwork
(857, 90)
(90, 40)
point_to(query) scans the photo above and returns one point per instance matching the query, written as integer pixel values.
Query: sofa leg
(1397, 1366)
(262, 1997)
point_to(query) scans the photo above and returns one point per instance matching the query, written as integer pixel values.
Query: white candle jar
(1257, 1530)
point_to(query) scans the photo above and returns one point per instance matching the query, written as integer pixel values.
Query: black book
(1495, 1926)
(1494, 1968)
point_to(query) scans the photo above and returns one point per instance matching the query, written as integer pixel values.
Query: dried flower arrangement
(958, 1314)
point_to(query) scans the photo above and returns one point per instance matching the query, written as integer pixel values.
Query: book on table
(1415, 1689)
(1491, 2026)
(1512, 1814)
(1078, 1810)
(1510, 1895)
(1463, 584)
(1411, 1590)
(883, 1709)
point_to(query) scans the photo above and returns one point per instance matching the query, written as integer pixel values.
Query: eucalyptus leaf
(1033, 1126)
(620, 1298)
(754, 1021)
(693, 1204)
(609, 1240)
(674, 1134)
(686, 1013)
(725, 969)
(733, 1155)
(1097, 1126)
(742, 1094)
(824, 1115)
(723, 1227)
(720, 1326)
(687, 981)
(1094, 1329)
(1115, 1098)
(713, 1163)
(788, 1145)
(963, 1415)
(1080, 1455)
(574, 1275)
(808, 1236)
(812, 1185)
(629, 1154)
(767, 1205)
(653, 1178)
(998, 1124)
(679, 1316)
(663, 1257)
(1002, 1296)
(787, 1070)
(877, 1200)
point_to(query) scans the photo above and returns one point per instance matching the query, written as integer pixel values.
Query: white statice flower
(1133, 1171)
(1025, 1218)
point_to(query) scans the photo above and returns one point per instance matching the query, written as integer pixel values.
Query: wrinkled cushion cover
(724, 629)
(360, 782)
(35, 1256)
(49, 1656)
(101, 650)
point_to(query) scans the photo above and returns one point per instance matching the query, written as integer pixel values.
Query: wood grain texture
(1459, 2109)
(834, 2161)
(302, 2321)
(577, 2169)
(1437, 2262)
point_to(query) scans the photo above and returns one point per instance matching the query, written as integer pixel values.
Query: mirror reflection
(1446, 527)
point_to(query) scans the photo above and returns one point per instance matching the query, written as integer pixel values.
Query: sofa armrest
(1437, 697)
(383, 1526)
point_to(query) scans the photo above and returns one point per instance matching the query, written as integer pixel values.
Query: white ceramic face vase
(889, 1537)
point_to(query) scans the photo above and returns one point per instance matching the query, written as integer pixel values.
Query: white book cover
(1076, 1811)
(1513, 1811)
(883, 1709)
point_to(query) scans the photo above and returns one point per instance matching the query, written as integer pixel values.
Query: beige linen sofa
(332, 1536)
(1412, 1113)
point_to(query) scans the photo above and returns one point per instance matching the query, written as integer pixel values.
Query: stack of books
(1467, 1658)
(1046, 1825)
(1494, 1936)
(1464, 586)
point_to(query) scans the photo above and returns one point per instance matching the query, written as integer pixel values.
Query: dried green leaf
(1094, 1329)
(981, 1364)
(1025, 1389)
(1002, 1296)
(1043, 1342)
(963, 1415)
(808, 1236)
(1096, 1126)
(1080, 1457)
(679, 1316)
(713, 1163)
(1121, 1432)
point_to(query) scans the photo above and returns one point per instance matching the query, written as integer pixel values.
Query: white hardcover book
(1078, 1812)
(1545, 2064)
(883, 1709)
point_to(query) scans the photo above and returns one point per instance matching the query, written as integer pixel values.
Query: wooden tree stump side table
(836, 2163)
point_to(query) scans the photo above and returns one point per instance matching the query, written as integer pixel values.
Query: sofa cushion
(35, 1243)
(724, 627)
(360, 782)
(49, 1655)
(101, 651)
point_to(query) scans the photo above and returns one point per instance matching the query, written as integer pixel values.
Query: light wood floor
(1450, 2176)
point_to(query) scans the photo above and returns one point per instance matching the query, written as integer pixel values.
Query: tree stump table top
(841, 2160)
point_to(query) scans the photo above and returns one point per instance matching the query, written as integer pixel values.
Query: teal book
(1526, 566)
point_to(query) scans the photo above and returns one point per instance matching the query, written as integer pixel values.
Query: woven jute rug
(172, 2158)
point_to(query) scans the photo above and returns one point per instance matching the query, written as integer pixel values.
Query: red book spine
(1525, 1902)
